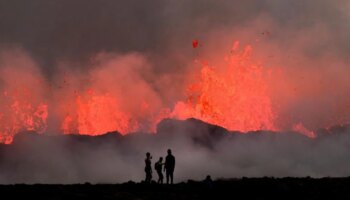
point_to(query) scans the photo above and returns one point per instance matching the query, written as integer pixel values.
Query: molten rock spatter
(232, 92)
(19, 112)
(98, 114)
(234, 97)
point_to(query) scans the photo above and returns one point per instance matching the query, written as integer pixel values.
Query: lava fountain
(233, 96)
(232, 93)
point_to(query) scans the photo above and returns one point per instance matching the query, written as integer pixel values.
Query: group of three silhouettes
(169, 167)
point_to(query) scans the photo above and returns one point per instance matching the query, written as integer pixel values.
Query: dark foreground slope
(246, 188)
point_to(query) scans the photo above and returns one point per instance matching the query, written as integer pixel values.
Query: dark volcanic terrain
(246, 188)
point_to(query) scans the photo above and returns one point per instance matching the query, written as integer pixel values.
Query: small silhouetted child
(148, 168)
(158, 167)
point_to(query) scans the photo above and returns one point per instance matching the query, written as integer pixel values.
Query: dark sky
(74, 30)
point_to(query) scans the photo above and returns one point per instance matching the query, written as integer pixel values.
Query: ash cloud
(76, 30)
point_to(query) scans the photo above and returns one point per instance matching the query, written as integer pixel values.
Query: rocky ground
(246, 188)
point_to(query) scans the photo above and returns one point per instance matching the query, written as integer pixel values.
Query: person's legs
(167, 176)
(161, 177)
(172, 177)
(148, 177)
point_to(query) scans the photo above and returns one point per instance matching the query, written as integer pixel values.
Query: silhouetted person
(169, 167)
(148, 168)
(158, 167)
(208, 182)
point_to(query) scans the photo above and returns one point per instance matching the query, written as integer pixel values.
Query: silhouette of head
(148, 154)
(169, 151)
(161, 158)
(208, 177)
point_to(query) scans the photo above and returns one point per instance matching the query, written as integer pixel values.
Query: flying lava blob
(195, 43)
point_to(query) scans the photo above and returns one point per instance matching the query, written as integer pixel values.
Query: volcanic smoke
(234, 92)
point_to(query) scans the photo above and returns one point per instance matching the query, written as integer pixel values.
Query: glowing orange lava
(231, 92)
(98, 114)
(19, 112)
(233, 96)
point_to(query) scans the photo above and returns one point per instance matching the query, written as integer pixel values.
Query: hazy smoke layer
(199, 150)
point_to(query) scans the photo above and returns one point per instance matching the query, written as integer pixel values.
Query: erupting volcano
(233, 93)
(100, 91)
(233, 96)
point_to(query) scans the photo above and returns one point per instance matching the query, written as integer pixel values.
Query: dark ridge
(200, 132)
(190, 126)
(31, 136)
(333, 130)
(247, 188)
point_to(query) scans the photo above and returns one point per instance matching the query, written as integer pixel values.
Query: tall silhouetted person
(158, 167)
(169, 167)
(148, 168)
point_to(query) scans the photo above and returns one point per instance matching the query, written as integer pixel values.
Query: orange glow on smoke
(232, 92)
(233, 96)
(301, 129)
(98, 114)
(18, 113)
